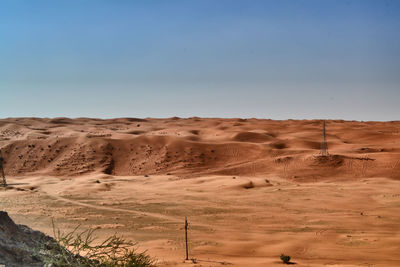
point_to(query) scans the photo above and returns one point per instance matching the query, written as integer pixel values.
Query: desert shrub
(285, 258)
(79, 249)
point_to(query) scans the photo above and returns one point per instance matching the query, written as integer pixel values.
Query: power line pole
(4, 182)
(324, 144)
(186, 239)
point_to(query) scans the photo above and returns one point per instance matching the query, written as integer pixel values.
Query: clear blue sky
(267, 59)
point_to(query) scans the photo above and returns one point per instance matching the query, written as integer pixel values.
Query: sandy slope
(252, 189)
(199, 147)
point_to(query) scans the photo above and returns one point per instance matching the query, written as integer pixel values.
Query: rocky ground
(20, 245)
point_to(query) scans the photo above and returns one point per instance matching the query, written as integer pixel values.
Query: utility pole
(186, 239)
(324, 144)
(4, 182)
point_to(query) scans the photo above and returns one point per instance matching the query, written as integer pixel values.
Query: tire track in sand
(92, 206)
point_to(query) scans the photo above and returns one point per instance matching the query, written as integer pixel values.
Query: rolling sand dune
(252, 189)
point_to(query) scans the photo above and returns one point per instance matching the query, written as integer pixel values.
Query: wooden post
(186, 239)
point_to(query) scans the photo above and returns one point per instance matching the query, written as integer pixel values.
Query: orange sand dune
(252, 189)
(194, 146)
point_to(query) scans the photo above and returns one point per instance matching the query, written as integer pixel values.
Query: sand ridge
(131, 146)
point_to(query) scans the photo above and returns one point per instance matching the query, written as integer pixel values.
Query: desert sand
(251, 189)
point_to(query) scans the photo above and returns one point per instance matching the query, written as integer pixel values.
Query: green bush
(78, 249)
(285, 258)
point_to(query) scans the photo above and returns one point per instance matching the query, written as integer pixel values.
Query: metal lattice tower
(4, 182)
(324, 144)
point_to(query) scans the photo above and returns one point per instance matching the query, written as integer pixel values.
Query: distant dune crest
(197, 146)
